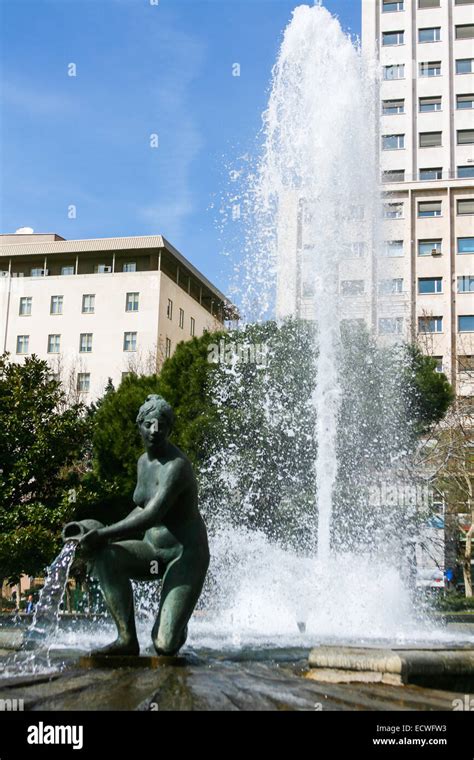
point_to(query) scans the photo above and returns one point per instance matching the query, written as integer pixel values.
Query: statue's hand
(91, 541)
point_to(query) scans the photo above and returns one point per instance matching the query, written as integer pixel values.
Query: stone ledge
(437, 667)
(89, 662)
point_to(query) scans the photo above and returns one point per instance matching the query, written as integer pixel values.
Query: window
(430, 139)
(393, 248)
(88, 303)
(466, 363)
(464, 31)
(85, 343)
(429, 208)
(466, 284)
(130, 341)
(25, 306)
(168, 348)
(390, 107)
(464, 102)
(83, 382)
(393, 142)
(54, 342)
(390, 325)
(181, 318)
(37, 272)
(393, 38)
(428, 4)
(429, 285)
(193, 326)
(356, 250)
(356, 212)
(102, 269)
(465, 171)
(132, 301)
(430, 34)
(430, 104)
(466, 245)
(429, 174)
(429, 247)
(352, 251)
(352, 287)
(22, 344)
(465, 136)
(67, 270)
(393, 211)
(463, 2)
(430, 324)
(430, 69)
(464, 65)
(439, 363)
(466, 323)
(391, 287)
(396, 71)
(352, 326)
(56, 305)
(393, 175)
(465, 206)
(388, 6)
(129, 266)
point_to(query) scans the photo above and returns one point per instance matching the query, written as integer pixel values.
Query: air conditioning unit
(4, 274)
(18, 274)
(436, 251)
(105, 269)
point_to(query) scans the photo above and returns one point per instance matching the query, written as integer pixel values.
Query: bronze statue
(175, 541)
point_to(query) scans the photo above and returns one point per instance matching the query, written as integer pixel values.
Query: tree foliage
(40, 442)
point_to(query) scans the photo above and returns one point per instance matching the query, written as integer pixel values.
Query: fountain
(313, 254)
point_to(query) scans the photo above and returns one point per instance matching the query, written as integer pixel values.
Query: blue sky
(141, 69)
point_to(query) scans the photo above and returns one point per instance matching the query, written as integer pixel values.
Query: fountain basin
(433, 667)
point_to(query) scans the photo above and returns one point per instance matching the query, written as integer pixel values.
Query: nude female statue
(175, 541)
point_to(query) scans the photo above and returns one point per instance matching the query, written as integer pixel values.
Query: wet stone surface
(205, 680)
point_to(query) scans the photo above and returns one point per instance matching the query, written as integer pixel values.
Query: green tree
(40, 446)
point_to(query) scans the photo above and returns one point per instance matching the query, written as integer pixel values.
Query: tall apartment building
(101, 308)
(426, 54)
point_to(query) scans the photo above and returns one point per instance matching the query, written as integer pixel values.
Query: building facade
(426, 54)
(101, 308)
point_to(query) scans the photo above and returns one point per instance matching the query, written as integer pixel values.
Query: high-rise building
(426, 54)
(101, 308)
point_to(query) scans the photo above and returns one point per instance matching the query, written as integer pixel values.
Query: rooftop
(17, 245)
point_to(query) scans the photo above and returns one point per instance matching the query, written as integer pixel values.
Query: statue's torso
(182, 525)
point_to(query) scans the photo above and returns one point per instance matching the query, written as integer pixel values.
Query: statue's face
(154, 429)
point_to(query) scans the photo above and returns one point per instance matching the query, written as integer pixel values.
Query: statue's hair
(157, 404)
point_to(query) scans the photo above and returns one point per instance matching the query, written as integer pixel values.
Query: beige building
(100, 308)
(426, 53)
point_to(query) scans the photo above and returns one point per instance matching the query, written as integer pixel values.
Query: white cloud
(24, 231)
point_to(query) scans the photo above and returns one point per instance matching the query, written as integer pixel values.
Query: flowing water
(46, 615)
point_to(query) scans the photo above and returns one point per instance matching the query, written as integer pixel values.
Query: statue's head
(155, 420)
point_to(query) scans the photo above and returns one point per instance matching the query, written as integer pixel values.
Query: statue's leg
(114, 566)
(182, 585)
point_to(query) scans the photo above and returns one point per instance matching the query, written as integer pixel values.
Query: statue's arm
(171, 484)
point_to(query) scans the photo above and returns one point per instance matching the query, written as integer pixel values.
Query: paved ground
(209, 681)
